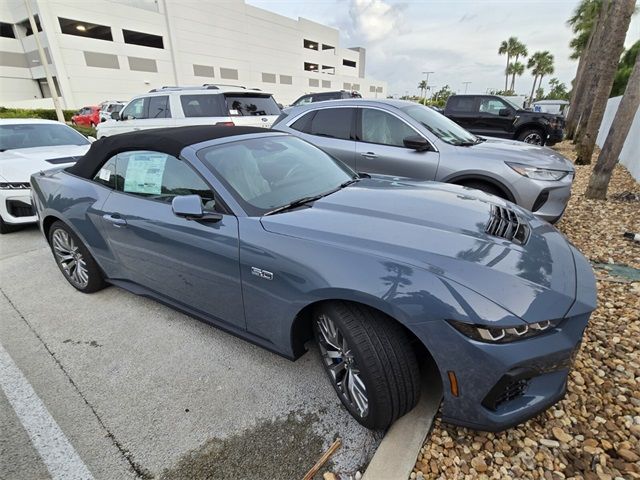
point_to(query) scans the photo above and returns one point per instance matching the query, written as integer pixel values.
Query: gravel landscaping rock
(594, 432)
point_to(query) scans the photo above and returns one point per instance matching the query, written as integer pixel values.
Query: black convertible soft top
(166, 140)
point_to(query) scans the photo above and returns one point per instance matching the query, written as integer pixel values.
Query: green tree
(558, 90)
(582, 22)
(625, 67)
(515, 68)
(440, 97)
(540, 64)
(422, 86)
(510, 48)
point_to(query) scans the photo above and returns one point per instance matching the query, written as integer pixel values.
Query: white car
(183, 106)
(26, 147)
(108, 107)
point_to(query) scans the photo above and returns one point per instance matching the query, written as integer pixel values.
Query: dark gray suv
(410, 141)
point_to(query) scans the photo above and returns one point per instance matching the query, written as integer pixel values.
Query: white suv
(182, 106)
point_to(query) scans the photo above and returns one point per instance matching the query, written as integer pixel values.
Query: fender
(483, 177)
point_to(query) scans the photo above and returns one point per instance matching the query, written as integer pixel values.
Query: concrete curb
(396, 456)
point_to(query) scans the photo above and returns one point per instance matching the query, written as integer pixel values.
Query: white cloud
(375, 20)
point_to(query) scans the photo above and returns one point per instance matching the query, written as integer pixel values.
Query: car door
(144, 113)
(332, 130)
(463, 110)
(193, 263)
(84, 117)
(380, 147)
(495, 118)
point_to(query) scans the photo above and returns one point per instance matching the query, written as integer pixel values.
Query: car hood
(18, 165)
(518, 152)
(441, 228)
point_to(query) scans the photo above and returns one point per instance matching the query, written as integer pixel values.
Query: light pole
(466, 85)
(426, 82)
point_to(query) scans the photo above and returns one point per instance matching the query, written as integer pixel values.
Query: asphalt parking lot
(137, 390)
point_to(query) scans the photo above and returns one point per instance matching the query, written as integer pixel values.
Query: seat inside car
(240, 169)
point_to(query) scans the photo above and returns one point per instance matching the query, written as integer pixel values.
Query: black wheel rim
(341, 366)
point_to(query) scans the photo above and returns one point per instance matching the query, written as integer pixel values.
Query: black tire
(94, 280)
(381, 354)
(533, 136)
(485, 187)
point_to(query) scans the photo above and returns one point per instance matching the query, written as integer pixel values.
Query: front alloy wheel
(369, 360)
(341, 366)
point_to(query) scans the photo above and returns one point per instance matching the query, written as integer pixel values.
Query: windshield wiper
(296, 203)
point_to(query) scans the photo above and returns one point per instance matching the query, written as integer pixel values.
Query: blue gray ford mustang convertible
(268, 237)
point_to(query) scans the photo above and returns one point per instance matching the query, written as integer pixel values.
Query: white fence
(630, 155)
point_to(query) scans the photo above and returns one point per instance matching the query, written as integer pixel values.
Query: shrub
(86, 131)
(44, 113)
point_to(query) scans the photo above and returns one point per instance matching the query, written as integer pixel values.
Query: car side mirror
(504, 112)
(416, 142)
(190, 208)
(115, 115)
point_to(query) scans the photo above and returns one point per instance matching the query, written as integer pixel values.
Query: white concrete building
(114, 49)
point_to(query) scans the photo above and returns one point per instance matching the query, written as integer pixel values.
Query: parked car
(323, 96)
(408, 140)
(494, 116)
(28, 146)
(182, 106)
(87, 116)
(268, 237)
(558, 107)
(109, 107)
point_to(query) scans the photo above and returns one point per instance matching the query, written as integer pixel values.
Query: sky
(458, 40)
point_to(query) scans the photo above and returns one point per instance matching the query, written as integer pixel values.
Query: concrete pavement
(141, 390)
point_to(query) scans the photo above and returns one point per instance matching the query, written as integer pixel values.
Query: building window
(328, 69)
(6, 30)
(346, 86)
(229, 73)
(142, 64)
(14, 59)
(45, 90)
(25, 26)
(326, 84)
(85, 29)
(286, 79)
(314, 82)
(310, 67)
(355, 86)
(348, 63)
(203, 71)
(311, 45)
(33, 57)
(143, 39)
(269, 77)
(328, 47)
(101, 60)
(379, 89)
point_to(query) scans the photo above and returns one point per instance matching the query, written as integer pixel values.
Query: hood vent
(58, 161)
(505, 223)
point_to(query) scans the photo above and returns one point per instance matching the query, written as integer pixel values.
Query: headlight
(486, 334)
(15, 186)
(538, 173)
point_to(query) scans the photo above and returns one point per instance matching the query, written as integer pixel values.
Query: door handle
(115, 219)
(368, 154)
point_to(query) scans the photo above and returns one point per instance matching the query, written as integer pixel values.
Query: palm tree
(582, 22)
(541, 64)
(516, 68)
(511, 48)
(519, 50)
(423, 87)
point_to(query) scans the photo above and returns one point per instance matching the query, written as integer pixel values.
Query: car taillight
(225, 124)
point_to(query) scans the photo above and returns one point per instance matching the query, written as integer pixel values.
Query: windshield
(511, 104)
(251, 105)
(31, 135)
(269, 172)
(443, 128)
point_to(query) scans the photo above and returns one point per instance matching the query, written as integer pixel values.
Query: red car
(87, 116)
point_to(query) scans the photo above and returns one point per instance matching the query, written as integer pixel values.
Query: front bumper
(15, 207)
(554, 136)
(547, 200)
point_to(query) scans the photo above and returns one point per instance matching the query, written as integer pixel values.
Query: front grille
(505, 223)
(509, 387)
(15, 186)
(18, 208)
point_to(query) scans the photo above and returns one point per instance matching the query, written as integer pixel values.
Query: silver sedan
(410, 141)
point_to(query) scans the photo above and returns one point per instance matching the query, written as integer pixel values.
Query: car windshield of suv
(251, 105)
(510, 103)
(443, 128)
(264, 174)
(31, 135)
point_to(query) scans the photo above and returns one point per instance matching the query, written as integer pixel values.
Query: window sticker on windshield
(104, 174)
(144, 173)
